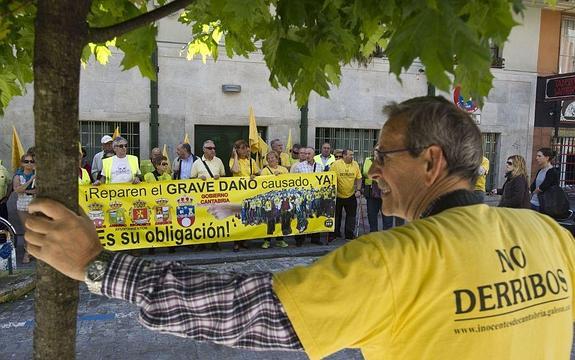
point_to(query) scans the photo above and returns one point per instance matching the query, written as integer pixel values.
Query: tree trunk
(61, 31)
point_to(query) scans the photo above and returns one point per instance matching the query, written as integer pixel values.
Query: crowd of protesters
(113, 164)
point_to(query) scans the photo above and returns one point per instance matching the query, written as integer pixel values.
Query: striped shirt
(305, 167)
(232, 309)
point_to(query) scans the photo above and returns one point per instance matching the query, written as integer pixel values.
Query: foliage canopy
(305, 43)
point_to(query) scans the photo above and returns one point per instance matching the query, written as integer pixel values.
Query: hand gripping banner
(187, 212)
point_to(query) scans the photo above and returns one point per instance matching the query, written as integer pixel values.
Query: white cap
(106, 139)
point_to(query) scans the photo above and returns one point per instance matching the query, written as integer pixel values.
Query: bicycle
(7, 246)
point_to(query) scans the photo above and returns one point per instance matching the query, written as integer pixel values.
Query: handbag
(554, 202)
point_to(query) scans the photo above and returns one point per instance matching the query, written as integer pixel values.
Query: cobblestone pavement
(109, 329)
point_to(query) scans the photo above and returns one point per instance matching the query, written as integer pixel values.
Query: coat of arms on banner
(116, 214)
(162, 212)
(140, 213)
(185, 211)
(96, 214)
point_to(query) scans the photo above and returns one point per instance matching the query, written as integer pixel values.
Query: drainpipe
(430, 89)
(154, 118)
(303, 125)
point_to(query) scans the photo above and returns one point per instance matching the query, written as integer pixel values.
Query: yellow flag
(263, 147)
(289, 144)
(116, 132)
(186, 139)
(253, 133)
(165, 153)
(17, 150)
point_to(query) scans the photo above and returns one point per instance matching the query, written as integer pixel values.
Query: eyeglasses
(122, 146)
(379, 155)
(28, 161)
(510, 163)
(210, 147)
(338, 156)
(295, 152)
(164, 164)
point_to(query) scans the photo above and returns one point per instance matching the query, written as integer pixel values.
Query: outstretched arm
(239, 310)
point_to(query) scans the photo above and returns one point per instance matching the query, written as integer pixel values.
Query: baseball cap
(106, 139)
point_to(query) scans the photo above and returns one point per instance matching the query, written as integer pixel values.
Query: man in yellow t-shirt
(483, 170)
(461, 280)
(348, 190)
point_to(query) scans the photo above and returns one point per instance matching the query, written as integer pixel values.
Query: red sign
(560, 87)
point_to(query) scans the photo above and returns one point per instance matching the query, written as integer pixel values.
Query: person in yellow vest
(325, 158)
(120, 168)
(348, 190)
(482, 170)
(160, 172)
(461, 280)
(83, 174)
(146, 165)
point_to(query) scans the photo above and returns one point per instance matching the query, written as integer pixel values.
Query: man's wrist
(96, 269)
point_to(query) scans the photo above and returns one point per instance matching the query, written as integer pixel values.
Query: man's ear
(436, 163)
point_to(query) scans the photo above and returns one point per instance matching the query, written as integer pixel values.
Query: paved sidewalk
(108, 329)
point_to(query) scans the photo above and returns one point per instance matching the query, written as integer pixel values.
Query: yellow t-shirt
(472, 282)
(269, 171)
(347, 174)
(482, 179)
(245, 167)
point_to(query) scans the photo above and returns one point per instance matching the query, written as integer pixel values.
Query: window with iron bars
(565, 159)
(490, 144)
(567, 45)
(91, 133)
(361, 141)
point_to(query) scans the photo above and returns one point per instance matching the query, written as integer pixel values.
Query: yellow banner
(187, 212)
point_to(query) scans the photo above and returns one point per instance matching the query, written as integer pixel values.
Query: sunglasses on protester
(28, 161)
(122, 146)
(210, 147)
(510, 163)
(164, 164)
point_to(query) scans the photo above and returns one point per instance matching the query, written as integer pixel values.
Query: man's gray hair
(208, 142)
(118, 140)
(433, 120)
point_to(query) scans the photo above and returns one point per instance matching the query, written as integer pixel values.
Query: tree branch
(103, 34)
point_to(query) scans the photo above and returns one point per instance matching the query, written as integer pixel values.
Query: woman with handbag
(515, 191)
(546, 177)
